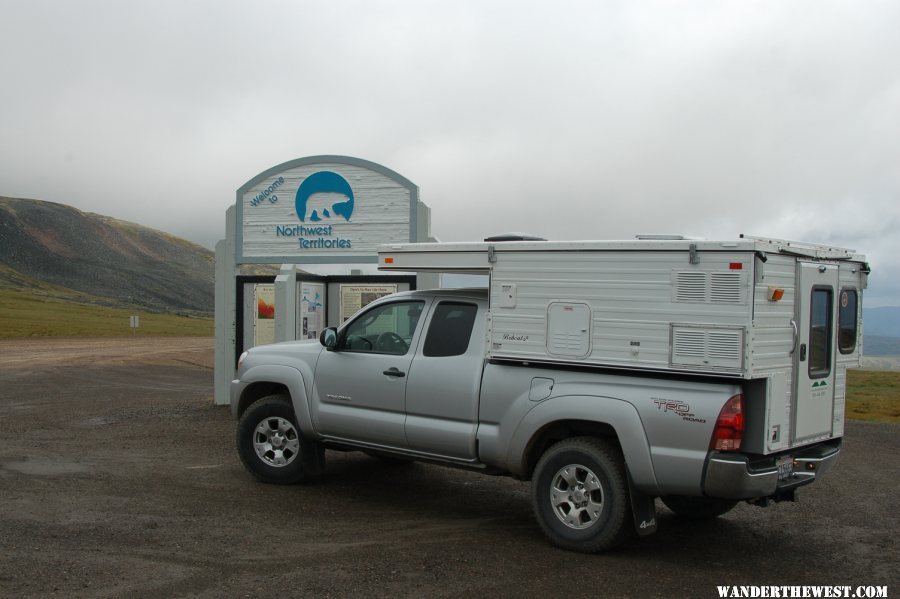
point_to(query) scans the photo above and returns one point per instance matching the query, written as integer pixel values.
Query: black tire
(600, 518)
(282, 456)
(698, 508)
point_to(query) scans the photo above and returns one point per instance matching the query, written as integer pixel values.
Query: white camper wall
(773, 334)
(640, 304)
(772, 339)
(849, 278)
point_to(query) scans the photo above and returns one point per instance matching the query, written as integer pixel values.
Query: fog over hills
(51, 246)
(881, 327)
(48, 245)
(884, 321)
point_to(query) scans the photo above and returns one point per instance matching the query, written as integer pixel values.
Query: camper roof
(478, 256)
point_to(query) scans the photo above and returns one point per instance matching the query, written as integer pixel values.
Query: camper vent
(690, 344)
(719, 287)
(719, 348)
(567, 343)
(725, 345)
(691, 287)
(725, 287)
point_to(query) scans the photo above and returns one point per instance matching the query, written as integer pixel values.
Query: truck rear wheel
(272, 447)
(580, 495)
(698, 508)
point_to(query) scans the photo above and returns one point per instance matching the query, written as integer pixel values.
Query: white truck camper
(783, 316)
(607, 373)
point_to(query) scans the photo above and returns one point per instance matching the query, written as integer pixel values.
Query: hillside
(56, 251)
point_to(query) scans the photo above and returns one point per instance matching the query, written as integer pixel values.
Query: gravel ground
(119, 477)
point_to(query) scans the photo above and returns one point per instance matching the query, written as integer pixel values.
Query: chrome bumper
(732, 476)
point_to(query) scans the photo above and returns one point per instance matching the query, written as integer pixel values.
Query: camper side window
(450, 329)
(847, 317)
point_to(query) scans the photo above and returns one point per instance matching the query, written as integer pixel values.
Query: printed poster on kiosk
(312, 312)
(264, 323)
(355, 297)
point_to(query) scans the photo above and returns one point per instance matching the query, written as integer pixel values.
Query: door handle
(394, 371)
(802, 352)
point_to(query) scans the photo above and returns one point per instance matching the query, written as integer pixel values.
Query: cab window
(847, 320)
(450, 329)
(385, 329)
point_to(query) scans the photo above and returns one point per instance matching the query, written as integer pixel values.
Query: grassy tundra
(27, 314)
(871, 395)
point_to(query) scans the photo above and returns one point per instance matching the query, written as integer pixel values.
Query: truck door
(360, 387)
(814, 357)
(445, 378)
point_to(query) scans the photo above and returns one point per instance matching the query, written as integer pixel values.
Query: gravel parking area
(118, 476)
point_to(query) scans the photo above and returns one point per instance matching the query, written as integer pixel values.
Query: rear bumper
(736, 476)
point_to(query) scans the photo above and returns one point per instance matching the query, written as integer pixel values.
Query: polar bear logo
(334, 197)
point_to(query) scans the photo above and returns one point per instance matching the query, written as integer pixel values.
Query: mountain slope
(44, 245)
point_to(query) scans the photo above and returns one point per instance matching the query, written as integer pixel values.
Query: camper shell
(781, 317)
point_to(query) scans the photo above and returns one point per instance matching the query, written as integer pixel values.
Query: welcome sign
(323, 209)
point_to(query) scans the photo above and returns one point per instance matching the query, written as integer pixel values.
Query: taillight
(729, 426)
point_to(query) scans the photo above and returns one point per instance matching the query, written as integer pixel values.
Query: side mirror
(328, 338)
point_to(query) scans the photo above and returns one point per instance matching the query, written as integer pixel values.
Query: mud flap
(643, 509)
(313, 456)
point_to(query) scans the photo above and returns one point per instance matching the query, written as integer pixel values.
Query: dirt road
(118, 477)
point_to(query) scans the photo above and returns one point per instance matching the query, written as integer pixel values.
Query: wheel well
(560, 430)
(257, 391)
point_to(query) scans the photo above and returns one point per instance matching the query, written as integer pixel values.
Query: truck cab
(405, 374)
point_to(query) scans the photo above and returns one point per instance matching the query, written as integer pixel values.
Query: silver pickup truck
(407, 378)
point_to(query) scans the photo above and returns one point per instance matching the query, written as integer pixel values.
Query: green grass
(44, 313)
(873, 395)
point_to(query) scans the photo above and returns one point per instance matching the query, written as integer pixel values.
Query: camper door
(814, 356)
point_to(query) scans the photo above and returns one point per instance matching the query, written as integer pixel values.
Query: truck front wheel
(272, 447)
(580, 495)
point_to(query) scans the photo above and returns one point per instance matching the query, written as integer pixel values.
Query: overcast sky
(571, 120)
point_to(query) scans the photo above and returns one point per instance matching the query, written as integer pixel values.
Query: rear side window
(820, 324)
(450, 329)
(847, 321)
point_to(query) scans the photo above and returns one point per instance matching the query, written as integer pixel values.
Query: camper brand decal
(513, 337)
(679, 408)
(819, 390)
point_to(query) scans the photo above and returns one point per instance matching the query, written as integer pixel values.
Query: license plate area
(785, 466)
